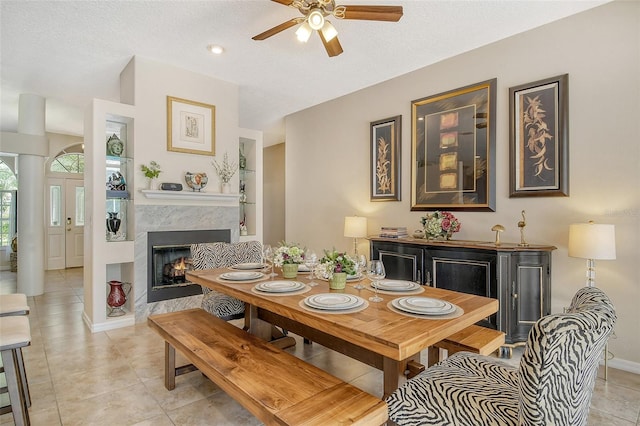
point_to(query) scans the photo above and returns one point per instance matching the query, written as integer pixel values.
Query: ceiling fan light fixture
(329, 32)
(304, 32)
(315, 19)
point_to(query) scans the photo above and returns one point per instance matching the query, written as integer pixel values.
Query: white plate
(241, 276)
(280, 286)
(423, 305)
(354, 277)
(333, 301)
(390, 285)
(303, 268)
(249, 266)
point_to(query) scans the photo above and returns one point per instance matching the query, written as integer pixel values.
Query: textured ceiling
(71, 52)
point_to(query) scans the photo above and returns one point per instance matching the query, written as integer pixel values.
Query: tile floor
(116, 377)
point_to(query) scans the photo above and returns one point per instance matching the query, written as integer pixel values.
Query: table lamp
(592, 241)
(355, 227)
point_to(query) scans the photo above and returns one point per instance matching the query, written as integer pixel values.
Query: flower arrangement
(440, 224)
(288, 254)
(335, 262)
(151, 171)
(226, 170)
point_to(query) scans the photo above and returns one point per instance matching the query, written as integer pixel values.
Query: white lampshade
(355, 226)
(304, 32)
(592, 241)
(329, 32)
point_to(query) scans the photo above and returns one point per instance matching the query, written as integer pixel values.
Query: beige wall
(146, 84)
(327, 167)
(274, 183)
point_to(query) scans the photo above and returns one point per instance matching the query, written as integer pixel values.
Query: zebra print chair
(220, 255)
(552, 385)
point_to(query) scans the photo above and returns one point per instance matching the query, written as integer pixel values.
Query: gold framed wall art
(385, 159)
(539, 138)
(453, 149)
(191, 126)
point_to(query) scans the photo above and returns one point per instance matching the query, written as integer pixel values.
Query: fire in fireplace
(169, 259)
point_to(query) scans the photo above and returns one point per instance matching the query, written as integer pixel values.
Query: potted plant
(440, 225)
(288, 257)
(335, 266)
(225, 172)
(151, 172)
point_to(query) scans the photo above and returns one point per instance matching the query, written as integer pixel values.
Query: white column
(31, 121)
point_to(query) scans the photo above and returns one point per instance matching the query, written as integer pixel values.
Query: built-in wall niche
(123, 273)
(169, 258)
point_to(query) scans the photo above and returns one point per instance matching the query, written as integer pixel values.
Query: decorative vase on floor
(117, 298)
(290, 270)
(338, 281)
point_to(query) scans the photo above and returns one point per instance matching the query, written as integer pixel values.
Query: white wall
(327, 153)
(146, 84)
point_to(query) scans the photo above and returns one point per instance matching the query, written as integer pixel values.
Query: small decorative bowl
(196, 181)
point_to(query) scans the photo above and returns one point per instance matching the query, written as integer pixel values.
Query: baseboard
(624, 365)
(111, 324)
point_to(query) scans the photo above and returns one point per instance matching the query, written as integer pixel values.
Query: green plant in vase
(151, 172)
(288, 257)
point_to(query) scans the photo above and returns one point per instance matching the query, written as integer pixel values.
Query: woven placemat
(395, 293)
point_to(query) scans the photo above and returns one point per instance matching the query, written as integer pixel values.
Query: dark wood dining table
(378, 335)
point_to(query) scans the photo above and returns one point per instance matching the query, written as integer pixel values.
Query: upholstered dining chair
(553, 384)
(220, 255)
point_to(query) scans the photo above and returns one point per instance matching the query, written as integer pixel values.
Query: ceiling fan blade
(278, 28)
(285, 2)
(332, 46)
(373, 13)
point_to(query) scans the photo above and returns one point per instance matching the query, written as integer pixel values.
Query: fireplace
(169, 259)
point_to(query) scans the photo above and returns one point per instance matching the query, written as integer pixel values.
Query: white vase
(226, 188)
(150, 183)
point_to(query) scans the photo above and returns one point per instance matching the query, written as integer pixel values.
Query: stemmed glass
(361, 264)
(376, 272)
(267, 254)
(311, 261)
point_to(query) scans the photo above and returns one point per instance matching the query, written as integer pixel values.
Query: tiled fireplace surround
(156, 218)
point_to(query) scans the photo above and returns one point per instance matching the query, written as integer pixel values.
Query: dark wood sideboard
(519, 277)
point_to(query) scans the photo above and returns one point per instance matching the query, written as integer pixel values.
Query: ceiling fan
(315, 17)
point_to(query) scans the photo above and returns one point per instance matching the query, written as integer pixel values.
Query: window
(55, 205)
(8, 204)
(68, 163)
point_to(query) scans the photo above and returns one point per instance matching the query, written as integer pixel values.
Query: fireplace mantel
(191, 195)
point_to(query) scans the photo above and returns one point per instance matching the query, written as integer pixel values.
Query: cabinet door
(401, 261)
(530, 292)
(466, 271)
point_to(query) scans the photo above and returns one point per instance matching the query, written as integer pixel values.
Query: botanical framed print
(191, 126)
(539, 138)
(385, 158)
(453, 149)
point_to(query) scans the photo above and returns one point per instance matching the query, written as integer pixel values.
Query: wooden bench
(476, 339)
(275, 386)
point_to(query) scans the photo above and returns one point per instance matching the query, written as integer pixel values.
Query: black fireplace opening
(169, 259)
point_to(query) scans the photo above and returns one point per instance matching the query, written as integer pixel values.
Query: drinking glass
(361, 264)
(311, 261)
(267, 254)
(376, 272)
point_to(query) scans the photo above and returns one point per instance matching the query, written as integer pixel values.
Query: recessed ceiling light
(215, 49)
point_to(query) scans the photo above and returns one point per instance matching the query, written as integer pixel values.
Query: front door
(65, 223)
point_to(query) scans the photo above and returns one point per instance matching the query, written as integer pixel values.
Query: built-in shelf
(190, 195)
